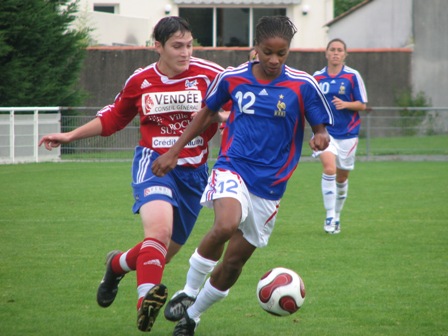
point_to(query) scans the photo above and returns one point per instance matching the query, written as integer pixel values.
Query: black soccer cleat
(108, 288)
(150, 307)
(177, 306)
(185, 327)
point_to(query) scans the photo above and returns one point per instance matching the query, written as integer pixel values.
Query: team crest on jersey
(191, 85)
(147, 103)
(281, 107)
(342, 89)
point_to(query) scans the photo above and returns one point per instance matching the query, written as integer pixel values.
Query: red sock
(131, 260)
(139, 302)
(151, 262)
(131, 257)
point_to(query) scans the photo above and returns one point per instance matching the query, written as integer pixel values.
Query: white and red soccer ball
(281, 292)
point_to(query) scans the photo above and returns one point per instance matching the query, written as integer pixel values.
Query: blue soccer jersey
(263, 137)
(348, 86)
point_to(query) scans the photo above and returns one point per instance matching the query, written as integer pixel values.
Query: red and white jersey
(165, 106)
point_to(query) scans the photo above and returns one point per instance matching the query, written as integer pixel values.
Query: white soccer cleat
(329, 225)
(337, 227)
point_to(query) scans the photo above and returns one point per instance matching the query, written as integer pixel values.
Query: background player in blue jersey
(261, 148)
(345, 90)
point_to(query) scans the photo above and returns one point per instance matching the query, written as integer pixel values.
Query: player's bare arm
(351, 105)
(223, 116)
(168, 161)
(92, 128)
(321, 139)
(220, 117)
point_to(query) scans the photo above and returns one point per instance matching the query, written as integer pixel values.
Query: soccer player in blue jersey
(261, 149)
(345, 90)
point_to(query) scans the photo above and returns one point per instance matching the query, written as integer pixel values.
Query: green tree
(41, 54)
(341, 6)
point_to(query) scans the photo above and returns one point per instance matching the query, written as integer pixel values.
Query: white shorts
(258, 214)
(344, 150)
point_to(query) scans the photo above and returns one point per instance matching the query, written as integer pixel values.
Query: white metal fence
(385, 132)
(20, 129)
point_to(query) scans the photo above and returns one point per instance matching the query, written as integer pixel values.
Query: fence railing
(20, 129)
(398, 131)
(386, 132)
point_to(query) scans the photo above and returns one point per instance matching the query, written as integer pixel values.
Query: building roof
(351, 10)
(237, 2)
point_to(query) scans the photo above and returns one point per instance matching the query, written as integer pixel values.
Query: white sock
(207, 297)
(123, 264)
(329, 193)
(199, 269)
(143, 289)
(342, 190)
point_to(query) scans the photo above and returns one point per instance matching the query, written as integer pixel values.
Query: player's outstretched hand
(54, 140)
(164, 163)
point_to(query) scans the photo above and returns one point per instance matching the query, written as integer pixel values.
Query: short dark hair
(168, 26)
(337, 40)
(274, 26)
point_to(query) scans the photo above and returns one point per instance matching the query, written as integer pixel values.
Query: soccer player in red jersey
(164, 95)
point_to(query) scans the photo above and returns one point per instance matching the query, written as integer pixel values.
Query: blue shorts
(182, 187)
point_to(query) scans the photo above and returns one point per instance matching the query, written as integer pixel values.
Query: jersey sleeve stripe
(362, 87)
(231, 71)
(300, 75)
(206, 64)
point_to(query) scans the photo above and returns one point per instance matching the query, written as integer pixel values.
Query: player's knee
(222, 232)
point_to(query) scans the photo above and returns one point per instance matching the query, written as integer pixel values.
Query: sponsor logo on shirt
(167, 142)
(168, 102)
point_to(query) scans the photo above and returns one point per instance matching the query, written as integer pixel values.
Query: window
(232, 27)
(201, 21)
(226, 27)
(104, 9)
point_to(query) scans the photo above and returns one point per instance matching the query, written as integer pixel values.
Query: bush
(411, 117)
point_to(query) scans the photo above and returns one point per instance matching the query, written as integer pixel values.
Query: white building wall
(134, 21)
(417, 24)
(312, 32)
(378, 24)
(430, 61)
(111, 29)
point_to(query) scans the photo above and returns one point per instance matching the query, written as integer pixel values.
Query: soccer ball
(281, 292)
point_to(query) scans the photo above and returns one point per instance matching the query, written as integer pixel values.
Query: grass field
(384, 146)
(385, 274)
